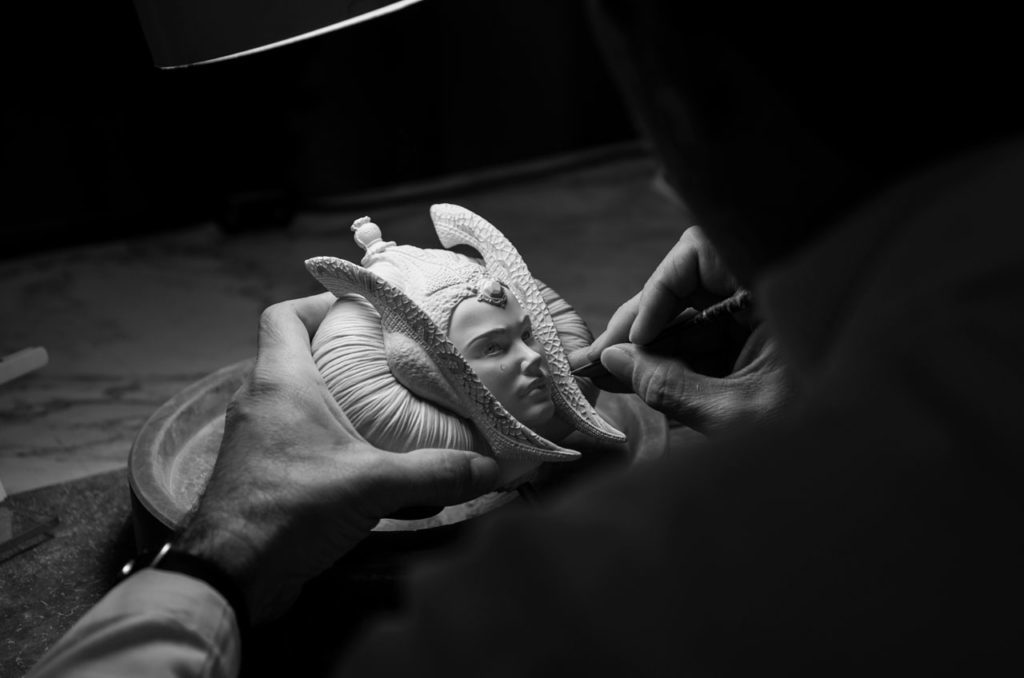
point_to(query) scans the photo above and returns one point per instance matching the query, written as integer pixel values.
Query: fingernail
(617, 361)
(638, 336)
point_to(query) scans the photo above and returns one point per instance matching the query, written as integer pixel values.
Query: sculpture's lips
(538, 384)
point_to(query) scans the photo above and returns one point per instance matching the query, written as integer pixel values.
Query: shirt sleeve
(154, 623)
(820, 546)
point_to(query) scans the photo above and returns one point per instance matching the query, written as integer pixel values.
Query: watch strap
(168, 559)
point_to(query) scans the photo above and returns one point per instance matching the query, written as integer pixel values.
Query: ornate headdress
(414, 292)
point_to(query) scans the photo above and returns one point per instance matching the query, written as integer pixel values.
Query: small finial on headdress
(368, 236)
(366, 232)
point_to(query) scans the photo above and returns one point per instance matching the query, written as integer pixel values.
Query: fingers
(311, 310)
(283, 342)
(715, 276)
(691, 275)
(706, 404)
(658, 381)
(294, 322)
(618, 328)
(666, 292)
(434, 477)
(285, 377)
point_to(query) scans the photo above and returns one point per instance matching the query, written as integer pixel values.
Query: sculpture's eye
(528, 335)
(493, 348)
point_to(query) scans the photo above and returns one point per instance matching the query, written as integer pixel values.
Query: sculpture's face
(498, 344)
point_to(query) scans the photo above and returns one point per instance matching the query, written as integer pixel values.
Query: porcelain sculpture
(387, 354)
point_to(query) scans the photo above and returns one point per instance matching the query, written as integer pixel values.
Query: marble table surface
(128, 324)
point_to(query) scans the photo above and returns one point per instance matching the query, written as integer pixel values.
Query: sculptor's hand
(294, 487)
(754, 385)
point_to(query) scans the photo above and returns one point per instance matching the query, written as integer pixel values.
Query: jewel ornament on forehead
(490, 291)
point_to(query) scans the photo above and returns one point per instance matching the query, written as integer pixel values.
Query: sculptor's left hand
(294, 487)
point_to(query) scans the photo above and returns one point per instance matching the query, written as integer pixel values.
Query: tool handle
(670, 336)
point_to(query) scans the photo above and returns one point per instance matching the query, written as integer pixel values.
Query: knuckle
(452, 475)
(653, 382)
(256, 397)
(664, 287)
(239, 403)
(377, 470)
(271, 316)
(692, 234)
(663, 386)
(263, 385)
(240, 410)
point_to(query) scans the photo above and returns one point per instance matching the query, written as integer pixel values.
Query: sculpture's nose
(532, 361)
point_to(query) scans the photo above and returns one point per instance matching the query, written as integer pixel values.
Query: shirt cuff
(154, 623)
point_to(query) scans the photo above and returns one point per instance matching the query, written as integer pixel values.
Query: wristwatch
(170, 560)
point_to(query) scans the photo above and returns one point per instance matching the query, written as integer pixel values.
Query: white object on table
(18, 364)
(22, 362)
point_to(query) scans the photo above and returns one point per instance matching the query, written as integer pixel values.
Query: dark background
(101, 144)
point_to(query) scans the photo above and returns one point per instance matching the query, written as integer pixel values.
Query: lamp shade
(188, 32)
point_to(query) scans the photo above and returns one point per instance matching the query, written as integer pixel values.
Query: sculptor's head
(498, 343)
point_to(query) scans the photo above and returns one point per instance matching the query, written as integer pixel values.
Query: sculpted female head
(499, 344)
(434, 348)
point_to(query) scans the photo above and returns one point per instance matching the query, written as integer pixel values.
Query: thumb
(666, 384)
(436, 477)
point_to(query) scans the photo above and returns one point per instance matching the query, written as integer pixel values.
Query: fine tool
(20, 531)
(581, 366)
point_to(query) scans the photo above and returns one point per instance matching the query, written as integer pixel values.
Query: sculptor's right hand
(294, 486)
(692, 275)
